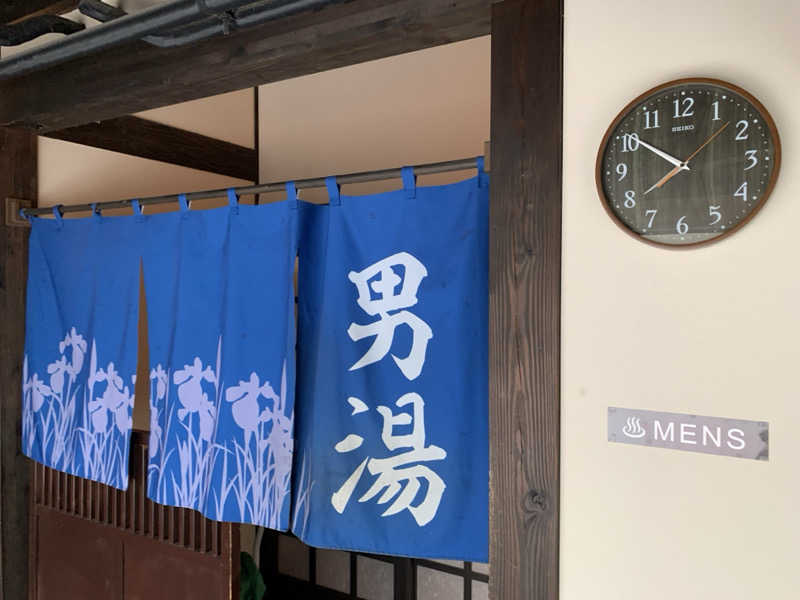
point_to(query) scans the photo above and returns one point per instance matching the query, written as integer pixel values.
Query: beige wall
(425, 106)
(710, 331)
(228, 117)
(73, 174)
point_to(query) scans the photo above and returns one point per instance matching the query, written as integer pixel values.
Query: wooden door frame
(524, 320)
(18, 179)
(525, 298)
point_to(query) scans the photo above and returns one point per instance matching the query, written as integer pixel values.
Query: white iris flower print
(223, 450)
(80, 423)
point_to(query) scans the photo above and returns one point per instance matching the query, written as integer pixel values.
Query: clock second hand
(684, 166)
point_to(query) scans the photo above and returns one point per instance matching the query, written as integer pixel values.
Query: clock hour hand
(684, 165)
(667, 177)
(671, 159)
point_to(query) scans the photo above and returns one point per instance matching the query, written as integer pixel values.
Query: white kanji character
(387, 300)
(393, 470)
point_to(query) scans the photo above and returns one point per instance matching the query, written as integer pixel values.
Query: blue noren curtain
(391, 424)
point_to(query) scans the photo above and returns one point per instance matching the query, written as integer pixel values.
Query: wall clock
(688, 162)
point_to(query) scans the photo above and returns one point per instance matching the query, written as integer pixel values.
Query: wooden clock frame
(652, 91)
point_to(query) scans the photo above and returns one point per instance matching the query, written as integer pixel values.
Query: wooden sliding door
(88, 540)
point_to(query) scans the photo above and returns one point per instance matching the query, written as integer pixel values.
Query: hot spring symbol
(633, 428)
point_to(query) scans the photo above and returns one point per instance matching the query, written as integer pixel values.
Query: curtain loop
(291, 193)
(183, 202)
(233, 201)
(96, 212)
(479, 163)
(334, 191)
(58, 216)
(137, 210)
(409, 182)
(25, 215)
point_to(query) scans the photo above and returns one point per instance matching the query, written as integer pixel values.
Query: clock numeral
(741, 130)
(713, 211)
(742, 192)
(681, 227)
(630, 200)
(630, 142)
(687, 108)
(751, 155)
(652, 214)
(715, 104)
(622, 171)
(647, 120)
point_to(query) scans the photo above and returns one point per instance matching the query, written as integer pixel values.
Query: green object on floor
(251, 584)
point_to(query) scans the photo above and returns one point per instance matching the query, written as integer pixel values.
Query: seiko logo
(678, 128)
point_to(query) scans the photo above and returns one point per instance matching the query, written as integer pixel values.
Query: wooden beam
(18, 155)
(137, 77)
(12, 11)
(525, 298)
(148, 139)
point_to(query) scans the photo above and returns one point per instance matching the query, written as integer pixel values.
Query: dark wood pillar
(18, 155)
(525, 298)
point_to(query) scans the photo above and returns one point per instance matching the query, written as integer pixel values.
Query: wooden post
(18, 155)
(525, 298)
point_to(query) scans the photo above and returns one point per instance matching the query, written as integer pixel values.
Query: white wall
(710, 331)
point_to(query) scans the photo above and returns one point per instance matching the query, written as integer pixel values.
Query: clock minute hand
(661, 153)
(685, 164)
(708, 141)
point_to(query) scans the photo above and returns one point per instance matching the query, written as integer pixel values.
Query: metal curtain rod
(151, 21)
(462, 164)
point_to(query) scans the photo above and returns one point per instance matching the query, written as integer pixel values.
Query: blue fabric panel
(80, 345)
(220, 306)
(392, 410)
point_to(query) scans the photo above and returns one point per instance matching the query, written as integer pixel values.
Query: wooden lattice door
(88, 540)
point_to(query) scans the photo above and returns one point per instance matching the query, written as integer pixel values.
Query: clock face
(688, 162)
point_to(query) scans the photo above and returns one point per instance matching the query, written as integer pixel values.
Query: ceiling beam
(138, 77)
(12, 11)
(148, 139)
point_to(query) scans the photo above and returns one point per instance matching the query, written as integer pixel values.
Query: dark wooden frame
(155, 141)
(525, 214)
(598, 170)
(18, 179)
(13, 11)
(525, 298)
(137, 77)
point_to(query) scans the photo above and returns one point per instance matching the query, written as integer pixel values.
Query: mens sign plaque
(694, 433)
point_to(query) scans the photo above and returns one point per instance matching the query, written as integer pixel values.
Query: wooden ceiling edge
(35, 9)
(139, 77)
(144, 138)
